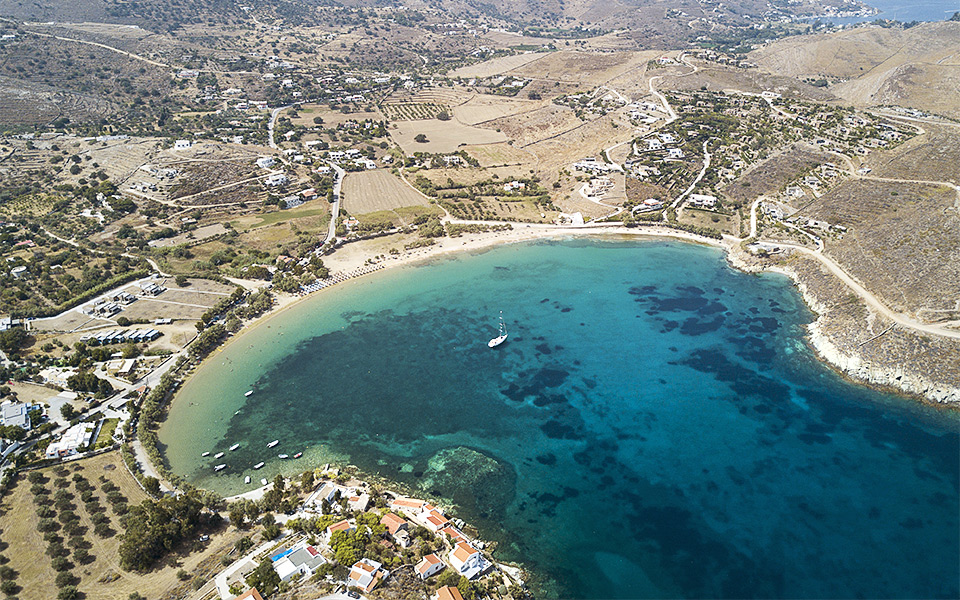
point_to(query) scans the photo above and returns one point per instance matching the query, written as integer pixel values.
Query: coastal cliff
(860, 343)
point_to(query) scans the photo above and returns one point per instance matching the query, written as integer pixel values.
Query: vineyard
(413, 111)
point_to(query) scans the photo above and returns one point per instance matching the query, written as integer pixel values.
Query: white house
(703, 200)
(71, 441)
(366, 574)
(358, 502)
(182, 144)
(304, 559)
(429, 566)
(15, 414)
(276, 180)
(265, 162)
(514, 186)
(467, 560)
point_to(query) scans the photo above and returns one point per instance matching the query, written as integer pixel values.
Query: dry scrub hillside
(903, 241)
(917, 67)
(934, 156)
(773, 174)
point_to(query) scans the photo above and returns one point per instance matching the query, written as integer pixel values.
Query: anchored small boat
(258, 465)
(248, 394)
(220, 467)
(218, 455)
(500, 338)
(234, 447)
(298, 455)
(205, 454)
(246, 479)
(283, 456)
(273, 443)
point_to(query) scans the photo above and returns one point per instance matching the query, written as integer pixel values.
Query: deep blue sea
(654, 426)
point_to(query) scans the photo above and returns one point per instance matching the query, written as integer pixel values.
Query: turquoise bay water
(654, 426)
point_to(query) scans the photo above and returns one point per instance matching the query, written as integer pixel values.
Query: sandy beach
(355, 255)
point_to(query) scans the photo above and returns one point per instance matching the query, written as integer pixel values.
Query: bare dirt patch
(581, 68)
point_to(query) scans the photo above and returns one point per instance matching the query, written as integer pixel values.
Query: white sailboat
(500, 338)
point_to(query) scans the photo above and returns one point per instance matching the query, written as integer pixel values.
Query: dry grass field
(331, 118)
(400, 217)
(496, 66)
(729, 224)
(714, 77)
(442, 136)
(379, 190)
(102, 578)
(485, 107)
(198, 234)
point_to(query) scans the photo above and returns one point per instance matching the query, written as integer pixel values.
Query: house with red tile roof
(429, 566)
(435, 522)
(367, 574)
(344, 526)
(467, 560)
(448, 592)
(455, 534)
(394, 523)
(251, 594)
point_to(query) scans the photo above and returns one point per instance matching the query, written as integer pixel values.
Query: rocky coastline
(861, 344)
